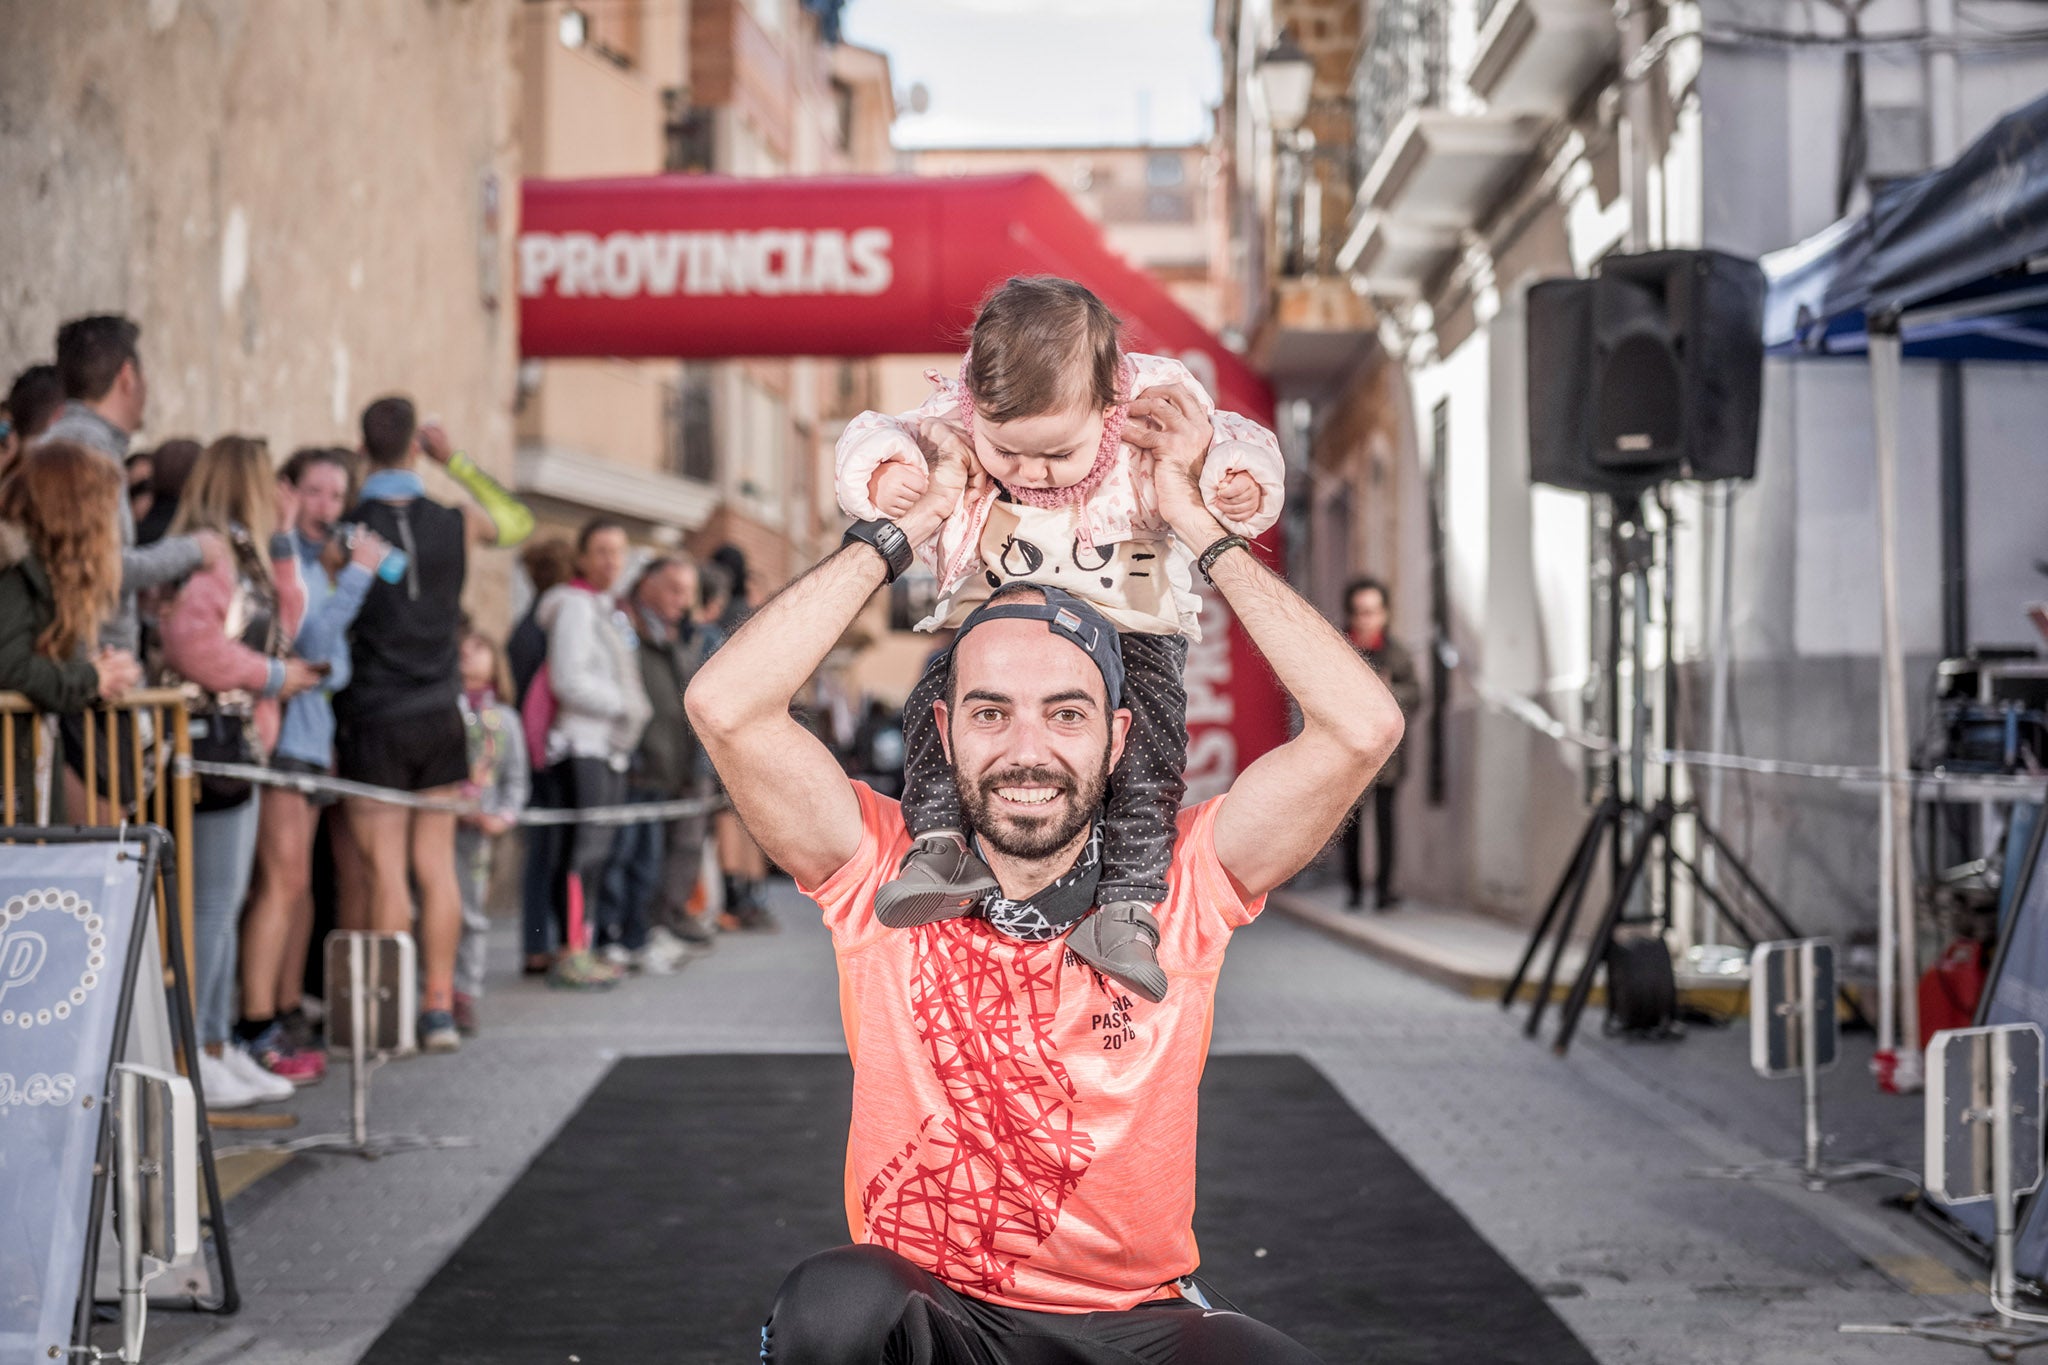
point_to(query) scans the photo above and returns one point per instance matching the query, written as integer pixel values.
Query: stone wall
(288, 195)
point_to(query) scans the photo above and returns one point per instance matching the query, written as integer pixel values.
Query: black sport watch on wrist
(886, 538)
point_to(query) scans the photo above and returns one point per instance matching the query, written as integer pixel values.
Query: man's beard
(1026, 836)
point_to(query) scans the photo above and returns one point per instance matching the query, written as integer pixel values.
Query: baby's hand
(896, 488)
(1237, 498)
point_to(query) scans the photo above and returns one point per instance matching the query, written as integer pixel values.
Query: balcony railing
(1406, 65)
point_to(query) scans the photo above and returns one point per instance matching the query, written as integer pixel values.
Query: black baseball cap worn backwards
(1068, 617)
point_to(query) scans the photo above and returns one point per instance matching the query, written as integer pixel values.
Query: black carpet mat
(657, 1225)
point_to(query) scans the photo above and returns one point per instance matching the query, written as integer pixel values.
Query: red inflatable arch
(704, 267)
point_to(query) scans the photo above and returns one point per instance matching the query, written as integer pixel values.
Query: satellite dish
(918, 98)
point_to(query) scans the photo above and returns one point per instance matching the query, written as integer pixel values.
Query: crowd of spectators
(311, 614)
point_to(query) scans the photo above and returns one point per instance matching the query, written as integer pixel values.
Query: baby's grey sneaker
(1121, 940)
(941, 878)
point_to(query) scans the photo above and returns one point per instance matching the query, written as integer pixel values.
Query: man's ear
(945, 731)
(1119, 731)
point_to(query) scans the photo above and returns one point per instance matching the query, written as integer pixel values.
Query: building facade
(1156, 204)
(1503, 142)
(703, 453)
(223, 173)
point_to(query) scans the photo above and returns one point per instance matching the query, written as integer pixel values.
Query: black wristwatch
(886, 538)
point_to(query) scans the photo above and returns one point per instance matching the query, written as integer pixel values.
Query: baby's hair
(1031, 336)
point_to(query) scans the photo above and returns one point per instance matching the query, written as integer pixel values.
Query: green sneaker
(581, 971)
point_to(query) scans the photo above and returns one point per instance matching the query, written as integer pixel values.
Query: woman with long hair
(60, 577)
(227, 634)
(277, 926)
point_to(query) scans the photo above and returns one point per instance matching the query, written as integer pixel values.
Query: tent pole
(1901, 1070)
(1720, 632)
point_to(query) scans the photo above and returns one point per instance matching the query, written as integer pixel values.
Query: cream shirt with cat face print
(1143, 586)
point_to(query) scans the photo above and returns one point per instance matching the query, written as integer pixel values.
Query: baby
(1041, 404)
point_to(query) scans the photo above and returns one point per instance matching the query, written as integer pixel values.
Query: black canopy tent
(1951, 265)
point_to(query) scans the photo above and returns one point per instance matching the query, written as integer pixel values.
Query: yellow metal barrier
(161, 772)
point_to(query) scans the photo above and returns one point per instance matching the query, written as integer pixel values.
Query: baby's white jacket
(1128, 563)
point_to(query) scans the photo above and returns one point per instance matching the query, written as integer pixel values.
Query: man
(1366, 617)
(100, 365)
(600, 710)
(1012, 1172)
(655, 865)
(398, 724)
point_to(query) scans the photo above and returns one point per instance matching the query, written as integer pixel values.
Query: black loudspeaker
(1651, 370)
(1642, 989)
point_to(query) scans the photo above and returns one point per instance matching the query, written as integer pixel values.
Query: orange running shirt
(1023, 1128)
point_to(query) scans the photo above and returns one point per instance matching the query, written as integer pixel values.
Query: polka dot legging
(1145, 790)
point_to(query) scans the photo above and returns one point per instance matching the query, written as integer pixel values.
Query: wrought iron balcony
(1434, 158)
(1405, 66)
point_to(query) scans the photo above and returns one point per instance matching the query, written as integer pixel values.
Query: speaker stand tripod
(1611, 820)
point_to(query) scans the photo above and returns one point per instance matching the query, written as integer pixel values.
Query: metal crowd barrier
(161, 771)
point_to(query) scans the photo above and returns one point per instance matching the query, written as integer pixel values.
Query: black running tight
(864, 1305)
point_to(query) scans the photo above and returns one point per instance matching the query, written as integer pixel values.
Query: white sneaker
(663, 956)
(224, 1087)
(615, 955)
(269, 1086)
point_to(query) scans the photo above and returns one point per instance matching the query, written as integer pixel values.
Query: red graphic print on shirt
(980, 1187)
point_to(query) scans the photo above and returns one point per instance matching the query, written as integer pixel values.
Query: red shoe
(275, 1054)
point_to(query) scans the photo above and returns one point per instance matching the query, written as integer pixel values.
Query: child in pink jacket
(1066, 504)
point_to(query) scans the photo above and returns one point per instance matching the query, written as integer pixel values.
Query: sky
(1046, 72)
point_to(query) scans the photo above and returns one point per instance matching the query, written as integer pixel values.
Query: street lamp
(573, 28)
(1286, 75)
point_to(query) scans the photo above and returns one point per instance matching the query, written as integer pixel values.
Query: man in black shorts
(399, 723)
(1021, 1156)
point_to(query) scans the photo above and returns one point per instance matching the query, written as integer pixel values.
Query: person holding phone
(277, 926)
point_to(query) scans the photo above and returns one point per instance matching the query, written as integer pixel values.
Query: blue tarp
(1969, 241)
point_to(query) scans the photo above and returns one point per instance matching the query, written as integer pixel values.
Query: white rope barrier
(1525, 709)
(311, 784)
(1532, 714)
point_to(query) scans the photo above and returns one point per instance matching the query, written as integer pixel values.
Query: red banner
(704, 267)
(707, 266)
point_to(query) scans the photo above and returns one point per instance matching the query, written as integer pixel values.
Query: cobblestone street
(1576, 1169)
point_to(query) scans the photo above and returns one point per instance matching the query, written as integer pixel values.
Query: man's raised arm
(1285, 806)
(788, 789)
